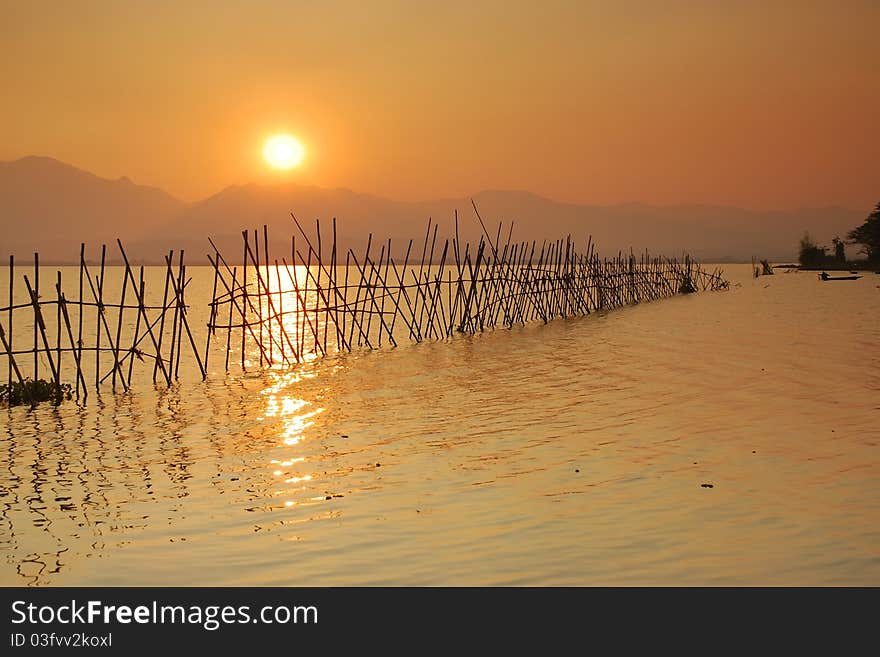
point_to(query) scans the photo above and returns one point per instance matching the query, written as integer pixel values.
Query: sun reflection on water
(296, 416)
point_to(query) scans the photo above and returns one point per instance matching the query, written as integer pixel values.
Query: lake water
(568, 454)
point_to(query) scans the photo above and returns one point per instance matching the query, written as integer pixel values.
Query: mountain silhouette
(50, 207)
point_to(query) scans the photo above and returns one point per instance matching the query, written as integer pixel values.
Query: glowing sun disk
(283, 152)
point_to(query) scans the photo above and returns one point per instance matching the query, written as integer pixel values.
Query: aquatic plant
(687, 287)
(33, 392)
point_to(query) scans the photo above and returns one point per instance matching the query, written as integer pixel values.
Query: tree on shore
(811, 254)
(868, 235)
(839, 250)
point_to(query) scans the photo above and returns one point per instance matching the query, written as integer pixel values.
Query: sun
(283, 151)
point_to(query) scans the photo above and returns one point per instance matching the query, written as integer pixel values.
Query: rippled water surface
(567, 454)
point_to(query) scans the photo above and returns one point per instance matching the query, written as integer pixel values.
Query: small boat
(825, 277)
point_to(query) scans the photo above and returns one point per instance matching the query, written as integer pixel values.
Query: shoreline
(845, 266)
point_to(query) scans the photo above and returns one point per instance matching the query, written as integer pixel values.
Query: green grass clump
(33, 392)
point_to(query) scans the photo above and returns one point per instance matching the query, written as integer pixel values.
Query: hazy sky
(756, 104)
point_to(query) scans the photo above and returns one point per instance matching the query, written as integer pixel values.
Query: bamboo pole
(303, 301)
(229, 332)
(419, 291)
(100, 316)
(97, 295)
(36, 312)
(269, 304)
(175, 318)
(213, 316)
(264, 289)
(371, 293)
(234, 303)
(341, 331)
(160, 359)
(79, 340)
(41, 329)
(318, 290)
(280, 309)
(119, 322)
(335, 275)
(8, 346)
(298, 345)
(260, 316)
(244, 306)
(401, 290)
(58, 331)
(75, 349)
(13, 366)
(134, 352)
(179, 289)
(372, 290)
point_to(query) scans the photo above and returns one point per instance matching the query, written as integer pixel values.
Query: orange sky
(755, 104)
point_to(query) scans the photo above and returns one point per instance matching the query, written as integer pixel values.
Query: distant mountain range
(50, 207)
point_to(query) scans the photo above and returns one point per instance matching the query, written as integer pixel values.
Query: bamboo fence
(271, 312)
